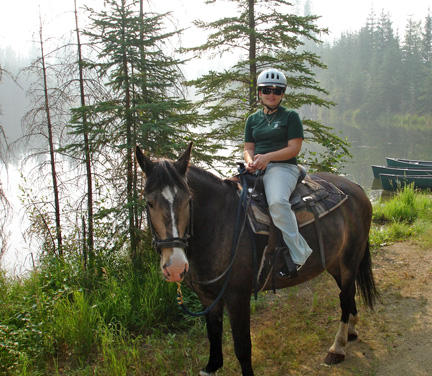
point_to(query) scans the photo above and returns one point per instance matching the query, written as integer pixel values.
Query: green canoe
(410, 163)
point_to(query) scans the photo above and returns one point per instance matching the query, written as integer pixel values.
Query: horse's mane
(165, 174)
(206, 178)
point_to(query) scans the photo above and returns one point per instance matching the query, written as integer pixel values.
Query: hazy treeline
(375, 71)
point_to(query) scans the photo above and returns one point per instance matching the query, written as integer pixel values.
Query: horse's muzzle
(174, 264)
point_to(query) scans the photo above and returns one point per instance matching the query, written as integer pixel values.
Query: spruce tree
(146, 107)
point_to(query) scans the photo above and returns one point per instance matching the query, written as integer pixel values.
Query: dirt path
(404, 276)
(394, 339)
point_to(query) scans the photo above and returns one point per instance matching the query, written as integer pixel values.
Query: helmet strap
(270, 109)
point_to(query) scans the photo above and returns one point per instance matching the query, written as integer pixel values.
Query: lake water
(371, 143)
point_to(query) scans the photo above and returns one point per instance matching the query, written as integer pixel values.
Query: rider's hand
(250, 167)
(261, 161)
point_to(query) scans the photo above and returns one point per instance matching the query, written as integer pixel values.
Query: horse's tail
(365, 280)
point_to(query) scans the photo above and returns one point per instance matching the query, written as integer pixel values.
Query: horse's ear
(146, 164)
(183, 162)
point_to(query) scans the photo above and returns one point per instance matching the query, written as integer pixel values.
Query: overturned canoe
(377, 170)
(391, 182)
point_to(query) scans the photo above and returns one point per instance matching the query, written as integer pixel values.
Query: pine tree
(412, 65)
(81, 122)
(260, 35)
(4, 203)
(427, 41)
(42, 125)
(425, 93)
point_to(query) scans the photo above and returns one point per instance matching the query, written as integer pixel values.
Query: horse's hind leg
(352, 322)
(336, 353)
(214, 321)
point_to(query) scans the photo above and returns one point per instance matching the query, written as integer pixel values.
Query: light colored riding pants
(280, 179)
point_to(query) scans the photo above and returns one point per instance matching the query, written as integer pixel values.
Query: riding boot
(283, 255)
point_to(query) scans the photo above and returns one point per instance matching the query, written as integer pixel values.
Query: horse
(192, 214)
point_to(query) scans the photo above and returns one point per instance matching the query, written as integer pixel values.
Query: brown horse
(181, 197)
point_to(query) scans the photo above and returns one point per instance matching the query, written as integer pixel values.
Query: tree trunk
(129, 160)
(252, 56)
(51, 149)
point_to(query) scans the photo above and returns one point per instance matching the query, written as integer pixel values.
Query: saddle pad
(324, 194)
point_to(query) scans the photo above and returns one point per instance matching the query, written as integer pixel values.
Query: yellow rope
(179, 294)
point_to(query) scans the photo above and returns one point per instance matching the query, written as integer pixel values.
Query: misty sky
(19, 20)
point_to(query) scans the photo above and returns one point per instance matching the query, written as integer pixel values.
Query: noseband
(174, 241)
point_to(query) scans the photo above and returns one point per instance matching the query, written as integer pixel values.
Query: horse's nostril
(165, 269)
(184, 272)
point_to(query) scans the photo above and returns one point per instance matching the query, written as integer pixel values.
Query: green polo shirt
(273, 132)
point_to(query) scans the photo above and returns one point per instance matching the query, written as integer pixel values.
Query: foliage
(60, 312)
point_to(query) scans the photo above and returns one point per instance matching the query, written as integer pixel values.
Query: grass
(405, 216)
(58, 320)
(61, 321)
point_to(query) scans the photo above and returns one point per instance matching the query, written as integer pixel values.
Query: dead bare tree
(87, 154)
(4, 203)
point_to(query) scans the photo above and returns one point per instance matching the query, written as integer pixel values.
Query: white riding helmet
(271, 77)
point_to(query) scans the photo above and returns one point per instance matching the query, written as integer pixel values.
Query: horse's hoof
(332, 358)
(352, 337)
(204, 373)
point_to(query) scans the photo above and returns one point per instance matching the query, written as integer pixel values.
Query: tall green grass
(60, 313)
(407, 214)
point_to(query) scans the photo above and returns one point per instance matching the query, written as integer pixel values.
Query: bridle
(178, 242)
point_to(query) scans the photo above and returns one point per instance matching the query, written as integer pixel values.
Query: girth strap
(310, 202)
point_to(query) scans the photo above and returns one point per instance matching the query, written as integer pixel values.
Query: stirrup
(289, 269)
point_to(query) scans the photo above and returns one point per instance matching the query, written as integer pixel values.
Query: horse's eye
(150, 205)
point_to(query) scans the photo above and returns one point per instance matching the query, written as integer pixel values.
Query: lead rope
(179, 294)
(234, 249)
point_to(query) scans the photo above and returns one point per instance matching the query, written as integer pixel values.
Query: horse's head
(168, 210)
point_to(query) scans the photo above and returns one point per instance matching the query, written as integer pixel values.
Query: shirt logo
(276, 124)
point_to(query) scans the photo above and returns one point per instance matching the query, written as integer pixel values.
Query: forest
(375, 71)
(117, 83)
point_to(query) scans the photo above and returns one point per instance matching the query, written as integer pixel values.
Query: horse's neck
(214, 214)
(210, 193)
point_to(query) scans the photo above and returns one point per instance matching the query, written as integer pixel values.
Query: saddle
(313, 198)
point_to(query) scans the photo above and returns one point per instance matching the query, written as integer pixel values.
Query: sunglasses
(275, 91)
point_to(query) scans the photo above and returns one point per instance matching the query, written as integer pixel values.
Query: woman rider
(273, 139)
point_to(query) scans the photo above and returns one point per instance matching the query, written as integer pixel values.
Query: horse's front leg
(214, 321)
(238, 308)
